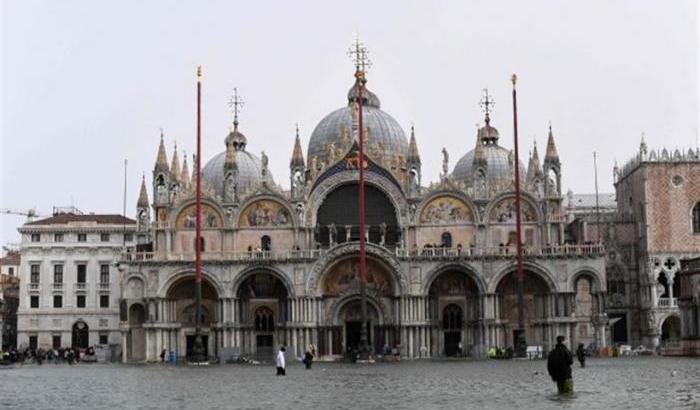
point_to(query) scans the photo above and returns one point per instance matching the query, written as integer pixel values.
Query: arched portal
(182, 296)
(136, 347)
(671, 329)
(584, 309)
(351, 318)
(263, 312)
(81, 335)
(338, 217)
(340, 289)
(453, 305)
(535, 293)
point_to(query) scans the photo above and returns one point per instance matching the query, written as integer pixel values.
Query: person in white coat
(280, 362)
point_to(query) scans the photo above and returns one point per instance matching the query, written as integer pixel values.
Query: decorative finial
(487, 104)
(514, 79)
(550, 126)
(412, 128)
(199, 71)
(360, 56)
(296, 129)
(236, 103)
(161, 133)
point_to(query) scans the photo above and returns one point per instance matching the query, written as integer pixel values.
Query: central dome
(384, 136)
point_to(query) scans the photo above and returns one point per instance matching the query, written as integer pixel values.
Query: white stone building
(69, 285)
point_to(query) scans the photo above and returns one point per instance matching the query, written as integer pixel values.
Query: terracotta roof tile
(106, 219)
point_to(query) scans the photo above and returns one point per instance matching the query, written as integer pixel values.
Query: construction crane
(29, 213)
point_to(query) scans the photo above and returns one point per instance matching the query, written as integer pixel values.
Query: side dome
(334, 134)
(249, 166)
(494, 159)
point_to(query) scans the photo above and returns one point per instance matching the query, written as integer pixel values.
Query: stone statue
(230, 188)
(264, 160)
(300, 213)
(445, 161)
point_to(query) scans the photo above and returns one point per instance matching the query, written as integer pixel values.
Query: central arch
(339, 289)
(337, 218)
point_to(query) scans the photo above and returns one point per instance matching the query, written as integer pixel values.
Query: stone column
(125, 344)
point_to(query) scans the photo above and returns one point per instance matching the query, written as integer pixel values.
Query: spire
(193, 182)
(162, 159)
(536, 161)
(551, 155)
(143, 195)
(175, 165)
(297, 154)
(185, 174)
(413, 154)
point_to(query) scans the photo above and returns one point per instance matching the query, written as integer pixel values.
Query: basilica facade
(281, 266)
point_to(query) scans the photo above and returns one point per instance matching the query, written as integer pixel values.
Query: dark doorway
(452, 340)
(190, 345)
(264, 345)
(352, 335)
(81, 334)
(619, 328)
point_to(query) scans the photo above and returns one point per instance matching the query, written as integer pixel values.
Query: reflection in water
(604, 383)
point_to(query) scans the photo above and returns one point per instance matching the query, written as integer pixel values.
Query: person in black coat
(581, 355)
(559, 367)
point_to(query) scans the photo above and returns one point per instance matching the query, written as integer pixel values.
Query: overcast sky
(86, 84)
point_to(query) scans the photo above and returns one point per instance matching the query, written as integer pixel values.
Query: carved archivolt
(330, 258)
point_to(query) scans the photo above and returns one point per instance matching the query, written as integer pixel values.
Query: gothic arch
(272, 270)
(597, 282)
(345, 250)
(461, 267)
(319, 194)
(541, 271)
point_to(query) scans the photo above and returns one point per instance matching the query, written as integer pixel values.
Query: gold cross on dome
(487, 102)
(236, 103)
(359, 55)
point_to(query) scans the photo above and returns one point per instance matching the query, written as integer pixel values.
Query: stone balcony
(34, 287)
(668, 303)
(80, 287)
(57, 287)
(559, 251)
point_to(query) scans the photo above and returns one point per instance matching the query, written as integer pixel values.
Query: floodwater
(623, 383)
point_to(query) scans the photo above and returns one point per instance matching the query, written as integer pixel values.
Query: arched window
(452, 318)
(264, 319)
(663, 288)
(446, 240)
(265, 243)
(696, 218)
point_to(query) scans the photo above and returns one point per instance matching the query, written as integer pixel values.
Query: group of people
(307, 359)
(68, 355)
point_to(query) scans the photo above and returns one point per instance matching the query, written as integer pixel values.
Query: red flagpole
(198, 345)
(519, 342)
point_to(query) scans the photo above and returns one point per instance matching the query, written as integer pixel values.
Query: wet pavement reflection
(624, 383)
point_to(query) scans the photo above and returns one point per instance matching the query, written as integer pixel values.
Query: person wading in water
(280, 362)
(581, 355)
(559, 367)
